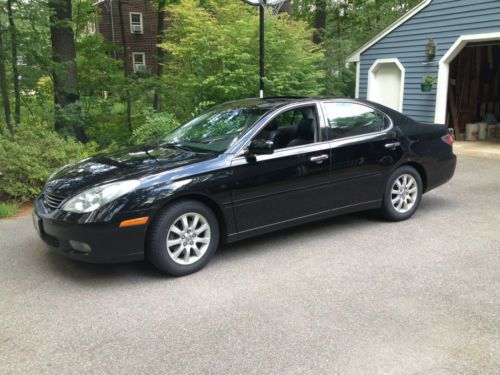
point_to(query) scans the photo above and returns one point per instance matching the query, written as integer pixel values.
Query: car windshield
(216, 129)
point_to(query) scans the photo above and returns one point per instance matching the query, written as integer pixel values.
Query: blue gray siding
(444, 21)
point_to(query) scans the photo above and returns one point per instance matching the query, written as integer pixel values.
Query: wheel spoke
(176, 253)
(400, 203)
(186, 255)
(176, 230)
(196, 250)
(195, 222)
(185, 224)
(202, 240)
(176, 241)
(201, 229)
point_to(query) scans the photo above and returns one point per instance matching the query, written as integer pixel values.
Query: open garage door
(473, 105)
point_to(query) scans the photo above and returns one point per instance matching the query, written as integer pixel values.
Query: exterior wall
(443, 21)
(145, 42)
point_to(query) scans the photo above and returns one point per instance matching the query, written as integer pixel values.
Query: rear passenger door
(365, 147)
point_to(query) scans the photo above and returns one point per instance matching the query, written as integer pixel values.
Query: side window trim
(326, 122)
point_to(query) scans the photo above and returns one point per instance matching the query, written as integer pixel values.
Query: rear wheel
(183, 238)
(403, 194)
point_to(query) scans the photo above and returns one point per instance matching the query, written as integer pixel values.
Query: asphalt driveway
(352, 294)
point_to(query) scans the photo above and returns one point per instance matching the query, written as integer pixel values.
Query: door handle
(392, 145)
(319, 158)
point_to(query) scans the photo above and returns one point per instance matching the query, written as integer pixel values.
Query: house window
(90, 28)
(139, 61)
(136, 23)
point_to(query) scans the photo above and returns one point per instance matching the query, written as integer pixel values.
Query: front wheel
(183, 238)
(403, 193)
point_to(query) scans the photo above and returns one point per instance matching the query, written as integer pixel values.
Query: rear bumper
(108, 243)
(441, 172)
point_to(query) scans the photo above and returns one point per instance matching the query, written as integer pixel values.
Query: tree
(125, 65)
(319, 21)
(160, 55)
(3, 83)
(15, 72)
(64, 71)
(213, 55)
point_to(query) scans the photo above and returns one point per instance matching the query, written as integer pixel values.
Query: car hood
(130, 163)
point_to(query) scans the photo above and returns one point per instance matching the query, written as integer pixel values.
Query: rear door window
(347, 119)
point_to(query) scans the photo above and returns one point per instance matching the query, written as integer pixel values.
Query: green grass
(8, 209)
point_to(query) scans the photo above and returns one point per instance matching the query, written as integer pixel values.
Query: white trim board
(358, 76)
(444, 70)
(354, 57)
(371, 79)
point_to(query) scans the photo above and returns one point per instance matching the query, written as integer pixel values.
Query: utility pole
(261, 48)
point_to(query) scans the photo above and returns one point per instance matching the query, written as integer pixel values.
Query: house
(140, 29)
(140, 18)
(455, 41)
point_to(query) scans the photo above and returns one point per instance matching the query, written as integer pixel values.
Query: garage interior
(473, 108)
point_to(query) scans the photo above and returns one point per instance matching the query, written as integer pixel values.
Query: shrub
(8, 209)
(29, 157)
(155, 126)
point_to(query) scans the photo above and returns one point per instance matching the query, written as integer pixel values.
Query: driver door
(291, 184)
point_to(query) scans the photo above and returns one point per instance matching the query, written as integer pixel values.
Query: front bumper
(107, 241)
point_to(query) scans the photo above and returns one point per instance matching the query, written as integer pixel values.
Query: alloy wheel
(188, 238)
(404, 193)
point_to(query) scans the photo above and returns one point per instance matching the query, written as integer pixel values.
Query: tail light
(448, 138)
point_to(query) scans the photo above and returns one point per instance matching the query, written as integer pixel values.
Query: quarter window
(350, 119)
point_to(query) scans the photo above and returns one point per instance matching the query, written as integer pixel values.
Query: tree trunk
(64, 71)
(160, 54)
(3, 83)
(319, 21)
(125, 65)
(377, 13)
(15, 73)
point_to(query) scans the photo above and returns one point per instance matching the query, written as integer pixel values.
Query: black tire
(156, 242)
(388, 210)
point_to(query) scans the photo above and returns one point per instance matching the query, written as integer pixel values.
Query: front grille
(52, 200)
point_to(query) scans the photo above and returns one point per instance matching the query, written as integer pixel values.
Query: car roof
(274, 102)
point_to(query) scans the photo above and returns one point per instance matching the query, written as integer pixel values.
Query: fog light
(80, 246)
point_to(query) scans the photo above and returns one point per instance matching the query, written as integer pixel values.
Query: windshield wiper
(176, 145)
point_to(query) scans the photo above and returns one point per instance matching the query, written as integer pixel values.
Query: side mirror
(261, 147)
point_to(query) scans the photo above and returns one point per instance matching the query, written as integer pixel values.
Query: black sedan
(241, 169)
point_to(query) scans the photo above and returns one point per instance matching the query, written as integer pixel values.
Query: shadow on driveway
(234, 252)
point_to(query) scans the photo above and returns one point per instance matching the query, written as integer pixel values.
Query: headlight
(94, 198)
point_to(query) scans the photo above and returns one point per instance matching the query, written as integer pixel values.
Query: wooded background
(64, 95)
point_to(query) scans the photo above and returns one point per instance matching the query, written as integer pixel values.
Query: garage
(473, 106)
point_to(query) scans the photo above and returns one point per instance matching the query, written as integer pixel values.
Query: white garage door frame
(444, 70)
(372, 81)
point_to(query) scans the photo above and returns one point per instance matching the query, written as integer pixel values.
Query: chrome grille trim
(51, 200)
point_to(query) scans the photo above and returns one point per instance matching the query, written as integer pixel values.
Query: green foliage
(155, 127)
(8, 209)
(213, 55)
(28, 158)
(430, 79)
